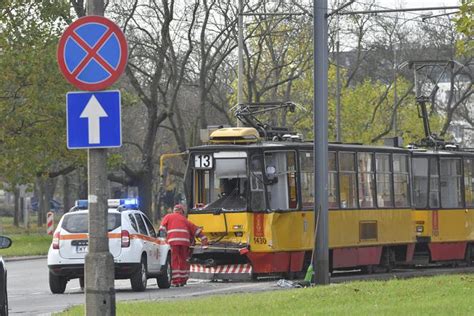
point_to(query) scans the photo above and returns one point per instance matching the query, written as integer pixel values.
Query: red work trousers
(179, 264)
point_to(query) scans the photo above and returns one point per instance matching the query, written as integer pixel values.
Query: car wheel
(164, 279)
(139, 278)
(57, 284)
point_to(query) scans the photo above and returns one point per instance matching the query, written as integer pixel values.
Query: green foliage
(465, 26)
(366, 107)
(32, 90)
(366, 111)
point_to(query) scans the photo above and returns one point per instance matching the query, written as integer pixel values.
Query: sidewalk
(24, 258)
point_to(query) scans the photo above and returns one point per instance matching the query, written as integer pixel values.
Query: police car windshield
(78, 223)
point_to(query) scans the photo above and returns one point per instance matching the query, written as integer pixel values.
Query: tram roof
(332, 146)
(295, 145)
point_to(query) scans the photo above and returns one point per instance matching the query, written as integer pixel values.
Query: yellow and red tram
(254, 199)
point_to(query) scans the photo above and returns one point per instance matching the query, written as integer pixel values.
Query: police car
(139, 253)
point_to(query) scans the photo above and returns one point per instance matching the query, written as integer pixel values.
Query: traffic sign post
(92, 55)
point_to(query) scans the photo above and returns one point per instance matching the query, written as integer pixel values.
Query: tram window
(434, 183)
(332, 181)
(282, 193)
(400, 180)
(384, 180)
(450, 180)
(469, 182)
(201, 187)
(420, 182)
(257, 187)
(366, 180)
(347, 180)
(307, 178)
(228, 181)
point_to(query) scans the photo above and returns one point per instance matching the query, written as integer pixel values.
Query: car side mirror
(270, 174)
(5, 242)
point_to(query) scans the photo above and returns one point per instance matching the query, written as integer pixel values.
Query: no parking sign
(92, 53)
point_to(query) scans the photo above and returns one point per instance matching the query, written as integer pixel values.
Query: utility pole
(99, 262)
(395, 95)
(240, 91)
(338, 86)
(320, 129)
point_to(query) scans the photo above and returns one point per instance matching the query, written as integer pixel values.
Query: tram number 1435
(203, 161)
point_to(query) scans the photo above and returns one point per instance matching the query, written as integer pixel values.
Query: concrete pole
(338, 88)
(395, 95)
(320, 119)
(240, 90)
(99, 263)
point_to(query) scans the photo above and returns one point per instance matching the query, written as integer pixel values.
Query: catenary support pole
(240, 79)
(99, 262)
(320, 120)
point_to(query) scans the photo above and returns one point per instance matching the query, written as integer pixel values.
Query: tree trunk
(145, 192)
(16, 211)
(67, 201)
(83, 185)
(40, 198)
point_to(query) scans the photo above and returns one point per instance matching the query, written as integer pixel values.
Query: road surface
(28, 289)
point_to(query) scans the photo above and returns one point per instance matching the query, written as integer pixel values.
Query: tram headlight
(419, 229)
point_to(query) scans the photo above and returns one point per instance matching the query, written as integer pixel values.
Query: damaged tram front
(245, 195)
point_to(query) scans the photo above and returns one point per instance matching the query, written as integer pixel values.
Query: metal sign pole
(99, 262)
(320, 120)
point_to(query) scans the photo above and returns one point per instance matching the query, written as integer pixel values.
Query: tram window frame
(333, 180)
(446, 183)
(210, 183)
(365, 202)
(381, 173)
(352, 174)
(398, 172)
(287, 172)
(308, 171)
(257, 182)
(420, 194)
(434, 177)
(468, 175)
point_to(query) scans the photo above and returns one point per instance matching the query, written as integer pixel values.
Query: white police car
(139, 253)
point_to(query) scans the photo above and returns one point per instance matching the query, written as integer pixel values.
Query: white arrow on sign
(93, 112)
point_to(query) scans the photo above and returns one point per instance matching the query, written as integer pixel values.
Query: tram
(252, 193)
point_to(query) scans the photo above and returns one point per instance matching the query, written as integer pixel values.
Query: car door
(154, 246)
(147, 243)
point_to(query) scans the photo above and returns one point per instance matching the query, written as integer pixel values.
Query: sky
(417, 3)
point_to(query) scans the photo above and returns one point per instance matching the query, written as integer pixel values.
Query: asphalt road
(28, 289)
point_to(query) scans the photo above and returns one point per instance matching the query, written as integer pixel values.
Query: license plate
(81, 249)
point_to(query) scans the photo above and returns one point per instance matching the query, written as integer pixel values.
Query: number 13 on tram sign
(203, 161)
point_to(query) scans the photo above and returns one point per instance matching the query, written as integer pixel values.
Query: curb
(25, 258)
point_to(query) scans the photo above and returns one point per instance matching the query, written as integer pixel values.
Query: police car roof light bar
(82, 204)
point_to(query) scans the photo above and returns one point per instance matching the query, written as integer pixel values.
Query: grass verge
(30, 241)
(421, 296)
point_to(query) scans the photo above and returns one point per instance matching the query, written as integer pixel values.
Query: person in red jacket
(180, 235)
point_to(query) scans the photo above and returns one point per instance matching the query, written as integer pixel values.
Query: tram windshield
(220, 181)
